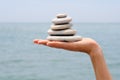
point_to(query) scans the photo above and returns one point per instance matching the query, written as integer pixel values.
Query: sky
(45, 10)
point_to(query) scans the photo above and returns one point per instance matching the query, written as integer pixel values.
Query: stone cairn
(61, 29)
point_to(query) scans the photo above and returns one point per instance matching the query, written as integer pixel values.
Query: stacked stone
(61, 29)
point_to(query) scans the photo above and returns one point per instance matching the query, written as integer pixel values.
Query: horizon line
(51, 22)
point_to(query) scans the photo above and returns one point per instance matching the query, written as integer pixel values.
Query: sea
(21, 59)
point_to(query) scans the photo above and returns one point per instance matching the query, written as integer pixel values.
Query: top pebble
(61, 15)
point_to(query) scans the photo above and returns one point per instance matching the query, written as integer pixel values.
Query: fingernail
(35, 41)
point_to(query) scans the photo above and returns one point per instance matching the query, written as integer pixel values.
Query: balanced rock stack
(61, 29)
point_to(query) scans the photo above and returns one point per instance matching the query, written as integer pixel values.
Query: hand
(86, 45)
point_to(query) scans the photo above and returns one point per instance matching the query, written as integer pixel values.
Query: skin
(86, 45)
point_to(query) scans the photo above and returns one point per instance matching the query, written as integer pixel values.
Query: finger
(36, 41)
(43, 42)
(62, 45)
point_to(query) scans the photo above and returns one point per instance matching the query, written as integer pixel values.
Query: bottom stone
(64, 38)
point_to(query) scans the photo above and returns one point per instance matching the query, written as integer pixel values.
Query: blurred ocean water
(20, 59)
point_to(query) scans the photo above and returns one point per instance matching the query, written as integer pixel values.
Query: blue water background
(20, 59)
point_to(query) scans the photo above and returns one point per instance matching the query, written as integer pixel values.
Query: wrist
(96, 51)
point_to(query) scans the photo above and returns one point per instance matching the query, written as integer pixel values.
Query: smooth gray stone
(61, 15)
(62, 32)
(64, 38)
(58, 21)
(61, 27)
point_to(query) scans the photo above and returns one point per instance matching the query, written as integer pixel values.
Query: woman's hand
(86, 45)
